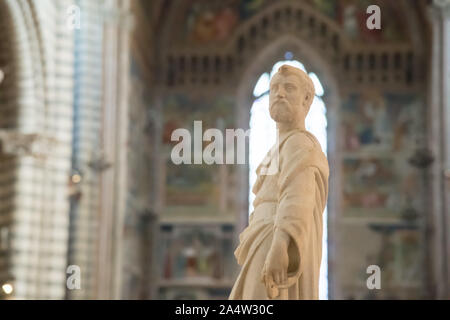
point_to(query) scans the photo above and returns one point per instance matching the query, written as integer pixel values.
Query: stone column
(114, 140)
(439, 142)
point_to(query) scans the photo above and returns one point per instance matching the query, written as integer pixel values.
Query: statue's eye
(290, 87)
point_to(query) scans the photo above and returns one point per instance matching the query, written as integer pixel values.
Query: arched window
(263, 137)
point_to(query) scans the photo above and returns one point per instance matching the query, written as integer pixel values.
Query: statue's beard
(281, 111)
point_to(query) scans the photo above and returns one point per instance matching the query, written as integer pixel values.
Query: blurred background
(91, 204)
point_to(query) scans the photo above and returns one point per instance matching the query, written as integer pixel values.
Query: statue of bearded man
(281, 249)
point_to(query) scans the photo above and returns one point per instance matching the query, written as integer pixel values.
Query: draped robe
(292, 197)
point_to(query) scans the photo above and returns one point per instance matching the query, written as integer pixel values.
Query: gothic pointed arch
(218, 48)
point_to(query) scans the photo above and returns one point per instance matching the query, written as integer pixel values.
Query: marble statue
(280, 251)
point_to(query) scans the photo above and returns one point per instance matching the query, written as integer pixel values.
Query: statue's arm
(294, 216)
(296, 204)
(293, 223)
(296, 183)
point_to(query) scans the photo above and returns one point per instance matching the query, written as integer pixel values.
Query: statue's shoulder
(304, 149)
(301, 140)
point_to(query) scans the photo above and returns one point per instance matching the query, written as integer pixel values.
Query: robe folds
(292, 198)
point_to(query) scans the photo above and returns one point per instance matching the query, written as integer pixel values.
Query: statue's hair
(286, 69)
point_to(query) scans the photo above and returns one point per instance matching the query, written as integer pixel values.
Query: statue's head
(291, 95)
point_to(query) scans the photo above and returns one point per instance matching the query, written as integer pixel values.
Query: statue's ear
(307, 98)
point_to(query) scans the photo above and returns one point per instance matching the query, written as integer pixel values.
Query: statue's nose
(281, 93)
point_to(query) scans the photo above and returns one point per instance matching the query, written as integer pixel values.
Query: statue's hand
(275, 268)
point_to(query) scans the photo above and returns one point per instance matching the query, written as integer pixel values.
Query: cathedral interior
(92, 205)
